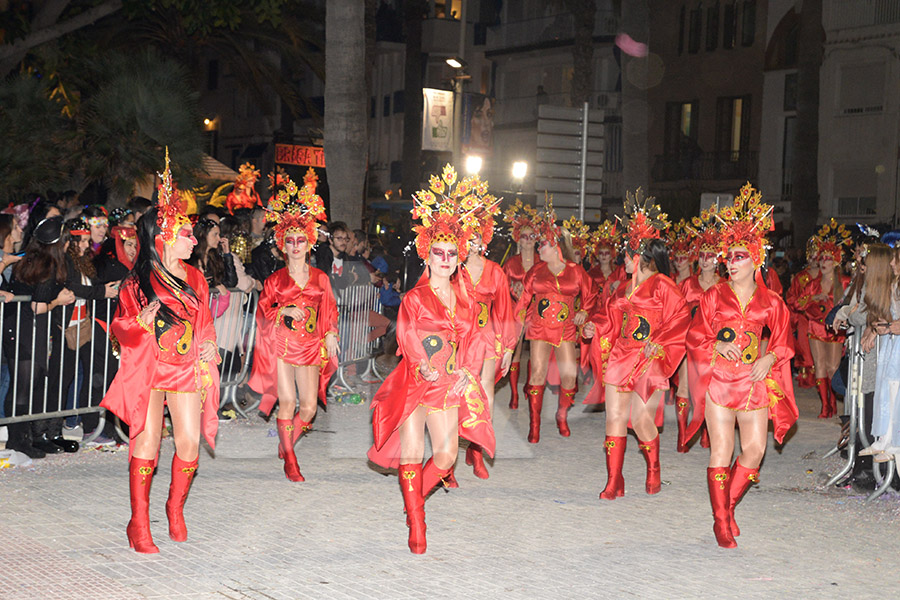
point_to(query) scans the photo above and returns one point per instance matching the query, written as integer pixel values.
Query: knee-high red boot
(566, 400)
(741, 480)
(286, 449)
(514, 385)
(650, 450)
(140, 475)
(832, 402)
(431, 476)
(823, 387)
(681, 415)
(300, 427)
(411, 487)
(615, 458)
(475, 457)
(535, 395)
(717, 478)
(182, 477)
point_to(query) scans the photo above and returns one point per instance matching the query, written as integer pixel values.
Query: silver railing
(236, 334)
(355, 307)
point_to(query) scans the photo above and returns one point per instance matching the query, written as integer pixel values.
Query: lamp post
(519, 171)
(460, 75)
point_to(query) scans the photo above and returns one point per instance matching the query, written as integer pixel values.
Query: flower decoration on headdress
(547, 229)
(117, 215)
(77, 226)
(100, 220)
(170, 215)
(450, 214)
(520, 216)
(605, 236)
(746, 223)
(580, 233)
(643, 221)
(680, 237)
(279, 178)
(20, 213)
(485, 215)
(706, 232)
(243, 194)
(296, 209)
(831, 239)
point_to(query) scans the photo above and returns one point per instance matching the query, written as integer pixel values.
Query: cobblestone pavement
(535, 529)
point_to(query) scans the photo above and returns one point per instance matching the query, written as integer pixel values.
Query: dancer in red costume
(296, 320)
(499, 334)
(638, 342)
(803, 360)
(523, 230)
(738, 379)
(681, 249)
(436, 385)
(168, 357)
(556, 300)
(816, 299)
(605, 274)
(705, 250)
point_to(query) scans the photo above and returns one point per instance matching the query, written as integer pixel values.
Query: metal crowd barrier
(49, 379)
(236, 334)
(854, 403)
(355, 305)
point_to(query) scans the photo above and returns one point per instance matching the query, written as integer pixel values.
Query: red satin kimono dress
(298, 343)
(515, 272)
(549, 303)
(495, 314)
(655, 311)
(720, 317)
(799, 320)
(166, 358)
(816, 310)
(448, 341)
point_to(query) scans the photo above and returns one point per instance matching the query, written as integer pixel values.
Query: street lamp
(519, 170)
(456, 62)
(473, 164)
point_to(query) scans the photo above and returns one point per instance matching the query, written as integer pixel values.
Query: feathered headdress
(746, 223)
(580, 233)
(680, 237)
(831, 239)
(485, 215)
(295, 209)
(547, 229)
(448, 214)
(243, 194)
(642, 222)
(171, 215)
(706, 232)
(520, 216)
(605, 236)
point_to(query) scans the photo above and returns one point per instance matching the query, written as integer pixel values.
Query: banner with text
(437, 120)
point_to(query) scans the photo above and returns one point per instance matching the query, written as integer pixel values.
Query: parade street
(535, 529)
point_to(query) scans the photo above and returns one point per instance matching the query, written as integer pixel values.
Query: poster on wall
(478, 124)
(437, 120)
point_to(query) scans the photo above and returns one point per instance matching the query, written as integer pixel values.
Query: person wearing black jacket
(213, 257)
(41, 274)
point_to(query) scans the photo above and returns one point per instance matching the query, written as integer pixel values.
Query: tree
(806, 143)
(583, 13)
(346, 139)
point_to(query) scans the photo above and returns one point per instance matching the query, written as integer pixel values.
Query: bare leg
(412, 437)
(443, 427)
(146, 443)
(642, 415)
(720, 423)
(307, 380)
(287, 390)
(540, 362)
(754, 428)
(618, 405)
(487, 381)
(567, 363)
(185, 412)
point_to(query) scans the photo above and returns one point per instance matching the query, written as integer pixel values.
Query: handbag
(79, 334)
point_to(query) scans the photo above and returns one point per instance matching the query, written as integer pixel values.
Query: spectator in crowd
(265, 259)
(210, 213)
(230, 229)
(212, 256)
(117, 258)
(41, 274)
(10, 235)
(67, 201)
(98, 220)
(42, 209)
(333, 258)
(257, 226)
(121, 216)
(138, 206)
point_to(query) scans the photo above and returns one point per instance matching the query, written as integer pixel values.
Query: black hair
(656, 253)
(208, 260)
(148, 266)
(139, 204)
(38, 213)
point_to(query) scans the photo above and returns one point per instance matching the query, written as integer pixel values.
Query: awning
(211, 169)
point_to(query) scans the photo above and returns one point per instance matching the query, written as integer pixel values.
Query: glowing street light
(456, 62)
(519, 170)
(473, 164)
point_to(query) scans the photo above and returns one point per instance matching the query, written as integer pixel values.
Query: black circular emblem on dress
(726, 334)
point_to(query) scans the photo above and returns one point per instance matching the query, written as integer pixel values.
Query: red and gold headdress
(643, 221)
(580, 233)
(547, 229)
(243, 194)
(485, 214)
(447, 214)
(680, 238)
(831, 238)
(170, 215)
(519, 216)
(746, 223)
(296, 209)
(605, 236)
(706, 231)
(120, 233)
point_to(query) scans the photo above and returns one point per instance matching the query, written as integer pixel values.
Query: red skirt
(181, 378)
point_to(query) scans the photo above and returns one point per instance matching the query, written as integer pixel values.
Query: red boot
(535, 395)
(741, 480)
(704, 436)
(566, 400)
(182, 477)
(514, 385)
(286, 449)
(832, 402)
(477, 457)
(300, 427)
(615, 457)
(411, 487)
(650, 450)
(717, 478)
(824, 389)
(451, 481)
(431, 476)
(681, 415)
(140, 475)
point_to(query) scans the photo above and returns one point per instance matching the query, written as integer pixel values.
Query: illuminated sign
(302, 156)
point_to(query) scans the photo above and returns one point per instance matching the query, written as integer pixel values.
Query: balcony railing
(706, 166)
(850, 14)
(546, 29)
